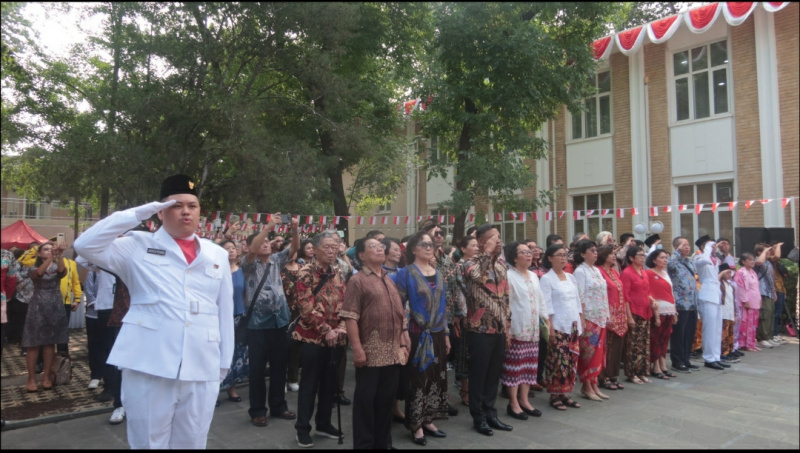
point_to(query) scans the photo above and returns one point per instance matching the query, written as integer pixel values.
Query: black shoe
(518, 415)
(343, 400)
(693, 367)
(681, 368)
(398, 419)
(329, 432)
(484, 429)
(452, 410)
(738, 353)
(723, 364)
(420, 440)
(714, 365)
(497, 424)
(304, 440)
(432, 433)
(532, 412)
(730, 358)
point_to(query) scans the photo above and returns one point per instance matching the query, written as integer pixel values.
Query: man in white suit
(709, 302)
(176, 342)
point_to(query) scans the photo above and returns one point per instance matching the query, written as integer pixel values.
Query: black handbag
(240, 334)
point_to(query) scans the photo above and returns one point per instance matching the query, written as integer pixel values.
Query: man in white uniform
(709, 303)
(176, 342)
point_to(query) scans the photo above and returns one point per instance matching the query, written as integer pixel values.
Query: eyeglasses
(525, 253)
(560, 255)
(425, 245)
(329, 247)
(438, 233)
(375, 246)
(640, 255)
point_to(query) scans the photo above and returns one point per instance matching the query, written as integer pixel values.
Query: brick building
(697, 109)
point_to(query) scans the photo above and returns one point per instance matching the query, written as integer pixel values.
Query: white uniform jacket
(180, 322)
(708, 273)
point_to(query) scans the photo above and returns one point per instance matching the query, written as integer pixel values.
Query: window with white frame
(719, 223)
(511, 230)
(385, 208)
(701, 81)
(596, 222)
(596, 118)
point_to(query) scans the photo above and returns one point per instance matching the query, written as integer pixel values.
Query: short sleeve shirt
(271, 310)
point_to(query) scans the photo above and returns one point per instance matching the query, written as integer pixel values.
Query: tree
(633, 14)
(498, 71)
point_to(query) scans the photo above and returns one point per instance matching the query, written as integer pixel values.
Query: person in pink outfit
(748, 297)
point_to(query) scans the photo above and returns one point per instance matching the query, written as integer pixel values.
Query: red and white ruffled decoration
(698, 20)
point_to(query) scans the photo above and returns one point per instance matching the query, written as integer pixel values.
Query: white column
(769, 117)
(639, 153)
(412, 189)
(543, 183)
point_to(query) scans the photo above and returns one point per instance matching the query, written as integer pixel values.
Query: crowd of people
(514, 317)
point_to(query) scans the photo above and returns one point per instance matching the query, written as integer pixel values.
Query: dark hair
(39, 259)
(470, 230)
(677, 240)
(481, 230)
(387, 242)
(415, 239)
(723, 239)
(250, 238)
(301, 254)
(744, 257)
(510, 251)
(552, 249)
(361, 245)
(551, 238)
(583, 246)
(638, 243)
(624, 237)
(372, 233)
(651, 258)
(760, 247)
(464, 241)
(631, 254)
(428, 224)
(225, 241)
(602, 253)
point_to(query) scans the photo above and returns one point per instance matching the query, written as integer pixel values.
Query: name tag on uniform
(157, 252)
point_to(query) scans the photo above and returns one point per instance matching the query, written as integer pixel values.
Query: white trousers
(712, 330)
(167, 413)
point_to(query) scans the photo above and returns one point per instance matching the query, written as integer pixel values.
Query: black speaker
(747, 238)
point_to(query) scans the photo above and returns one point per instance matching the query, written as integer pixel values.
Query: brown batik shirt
(319, 313)
(488, 308)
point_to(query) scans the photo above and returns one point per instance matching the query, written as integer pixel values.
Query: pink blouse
(747, 289)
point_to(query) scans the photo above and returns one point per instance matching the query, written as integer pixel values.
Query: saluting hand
(146, 211)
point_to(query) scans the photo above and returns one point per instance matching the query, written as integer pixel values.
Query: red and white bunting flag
(667, 208)
(209, 226)
(784, 202)
(430, 217)
(548, 216)
(408, 218)
(653, 211)
(396, 220)
(384, 219)
(523, 216)
(296, 217)
(309, 219)
(561, 214)
(621, 213)
(698, 208)
(256, 217)
(535, 216)
(372, 220)
(605, 212)
(419, 218)
(452, 219)
(714, 207)
(589, 212)
(732, 204)
(224, 225)
(472, 218)
(228, 216)
(634, 211)
(217, 214)
(681, 207)
(243, 217)
(765, 201)
(498, 217)
(323, 219)
(441, 219)
(360, 220)
(513, 215)
(576, 215)
(749, 203)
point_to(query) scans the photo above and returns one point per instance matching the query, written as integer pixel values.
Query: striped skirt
(521, 363)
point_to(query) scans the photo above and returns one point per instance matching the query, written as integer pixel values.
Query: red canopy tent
(19, 234)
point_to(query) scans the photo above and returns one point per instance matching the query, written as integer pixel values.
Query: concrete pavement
(755, 404)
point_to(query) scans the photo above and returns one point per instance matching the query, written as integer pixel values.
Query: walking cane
(336, 356)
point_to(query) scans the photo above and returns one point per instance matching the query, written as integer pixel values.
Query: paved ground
(755, 404)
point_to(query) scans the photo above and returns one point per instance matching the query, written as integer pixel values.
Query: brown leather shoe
(286, 415)
(259, 421)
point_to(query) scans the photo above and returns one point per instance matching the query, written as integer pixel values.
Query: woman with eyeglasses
(240, 365)
(640, 306)
(421, 287)
(468, 246)
(527, 304)
(617, 325)
(394, 256)
(560, 291)
(666, 315)
(46, 322)
(594, 300)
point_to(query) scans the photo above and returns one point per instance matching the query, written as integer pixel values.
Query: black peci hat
(651, 240)
(724, 267)
(176, 184)
(702, 241)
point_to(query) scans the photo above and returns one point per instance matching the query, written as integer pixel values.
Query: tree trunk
(464, 147)
(75, 218)
(111, 120)
(336, 182)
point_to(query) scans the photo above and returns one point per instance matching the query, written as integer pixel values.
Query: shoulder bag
(240, 333)
(62, 368)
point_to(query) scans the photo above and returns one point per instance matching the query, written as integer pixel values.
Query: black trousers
(486, 355)
(372, 407)
(112, 379)
(16, 319)
(268, 345)
(64, 347)
(680, 343)
(318, 375)
(96, 364)
(340, 374)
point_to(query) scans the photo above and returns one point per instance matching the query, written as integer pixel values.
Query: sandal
(569, 402)
(660, 376)
(615, 381)
(464, 397)
(557, 404)
(646, 380)
(635, 380)
(608, 385)
(670, 374)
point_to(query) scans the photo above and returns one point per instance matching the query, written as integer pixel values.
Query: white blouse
(593, 292)
(563, 301)
(527, 305)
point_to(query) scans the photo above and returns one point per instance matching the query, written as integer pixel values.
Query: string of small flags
(318, 223)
